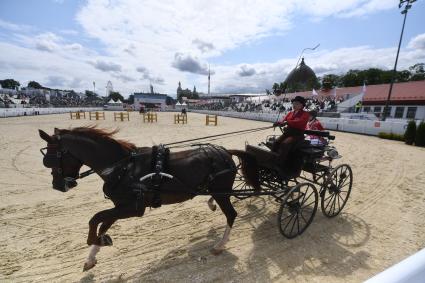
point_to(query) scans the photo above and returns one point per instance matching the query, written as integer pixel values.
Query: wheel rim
(336, 190)
(297, 210)
(240, 184)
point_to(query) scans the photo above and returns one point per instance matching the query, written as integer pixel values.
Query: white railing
(409, 270)
(367, 127)
(15, 112)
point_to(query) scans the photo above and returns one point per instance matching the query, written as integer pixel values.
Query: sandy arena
(43, 231)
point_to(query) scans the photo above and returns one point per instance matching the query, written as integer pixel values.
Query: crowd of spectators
(327, 104)
(40, 100)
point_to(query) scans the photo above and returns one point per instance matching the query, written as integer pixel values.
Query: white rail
(409, 270)
(14, 112)
(367, 127)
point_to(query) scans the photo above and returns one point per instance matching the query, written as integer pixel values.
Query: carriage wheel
(240, 182)
(297, 210)
(336, 190)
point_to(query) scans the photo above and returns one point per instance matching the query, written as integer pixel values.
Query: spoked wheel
(240, 183)
(297, 210)
(336, 190)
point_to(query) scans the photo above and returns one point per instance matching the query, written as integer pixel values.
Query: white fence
(367, 127)
(410, 270)
(14, 112)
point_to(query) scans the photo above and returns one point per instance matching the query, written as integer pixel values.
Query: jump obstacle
(77, 115)
(150, 117)
(121, 116)
(211, 120)
(180, 118)
(97, 115)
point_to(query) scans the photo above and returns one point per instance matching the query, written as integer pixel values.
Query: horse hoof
(106, 240)
(89, 265)
(216, 251)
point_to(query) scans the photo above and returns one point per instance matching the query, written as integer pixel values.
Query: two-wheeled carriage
(299, 183)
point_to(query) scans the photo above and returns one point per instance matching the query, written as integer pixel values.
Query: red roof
(402, 93)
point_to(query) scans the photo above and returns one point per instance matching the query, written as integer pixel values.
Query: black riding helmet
(300, 99)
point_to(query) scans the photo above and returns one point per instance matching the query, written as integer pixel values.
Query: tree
(130, 99)
(90, 94)
(418, 72)
(330, 81)
(409, 135)
(9, 83)
(276, 89)
(420, 135)
(34, 84)
(115, 95)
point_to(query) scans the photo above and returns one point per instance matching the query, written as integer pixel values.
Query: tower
(209, 80)
(109, 88)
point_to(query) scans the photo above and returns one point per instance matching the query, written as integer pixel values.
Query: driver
(295, 122)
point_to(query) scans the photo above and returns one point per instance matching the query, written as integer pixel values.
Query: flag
(314, 92)
(364, 88)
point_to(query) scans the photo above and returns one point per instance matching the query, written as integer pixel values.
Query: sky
(247, 45)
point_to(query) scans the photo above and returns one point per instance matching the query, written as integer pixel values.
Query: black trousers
(283, 145)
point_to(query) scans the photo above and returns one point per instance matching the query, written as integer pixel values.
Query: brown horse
(179, 176)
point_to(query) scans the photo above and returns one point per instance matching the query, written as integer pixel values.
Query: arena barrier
(180, 118)
(150, 117)
(121, 116)
(211, 120)
(97, 115)
(409, 270)
(30, 111)
(366, 127)
(77, 115)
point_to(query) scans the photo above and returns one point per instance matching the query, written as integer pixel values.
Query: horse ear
(57, 131)
(44, 136)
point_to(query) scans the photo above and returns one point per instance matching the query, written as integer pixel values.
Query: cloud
(124, 78)
(203, 46)
(47, 42)
(246, 71)
(187, 63)
(106, 66)
(55, 82)
(15, 27)
(418, 42)
(58, 82)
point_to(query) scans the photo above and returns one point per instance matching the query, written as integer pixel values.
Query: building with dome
(302, 78)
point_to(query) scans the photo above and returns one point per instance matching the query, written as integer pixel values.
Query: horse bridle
(53, 158)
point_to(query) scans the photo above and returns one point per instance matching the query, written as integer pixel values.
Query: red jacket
(297, 120)
(315, 125)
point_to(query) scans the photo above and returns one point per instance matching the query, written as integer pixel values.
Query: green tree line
(371, 76)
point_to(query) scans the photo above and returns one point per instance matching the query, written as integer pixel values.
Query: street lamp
(408, 5)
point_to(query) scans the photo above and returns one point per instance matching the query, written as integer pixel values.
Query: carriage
(136, 178)
(299, 184)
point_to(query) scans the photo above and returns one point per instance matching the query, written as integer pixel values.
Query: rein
(220, 135)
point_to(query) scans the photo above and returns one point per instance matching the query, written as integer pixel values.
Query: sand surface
(43, 231)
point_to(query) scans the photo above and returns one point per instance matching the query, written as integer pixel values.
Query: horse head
(65, 166)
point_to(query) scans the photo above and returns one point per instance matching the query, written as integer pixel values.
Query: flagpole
(406, 8)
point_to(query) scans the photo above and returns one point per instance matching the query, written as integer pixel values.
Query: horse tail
(249, 168)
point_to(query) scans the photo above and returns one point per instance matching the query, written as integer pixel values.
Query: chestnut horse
(204, 170)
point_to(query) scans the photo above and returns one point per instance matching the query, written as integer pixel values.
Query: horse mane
(96, 133)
